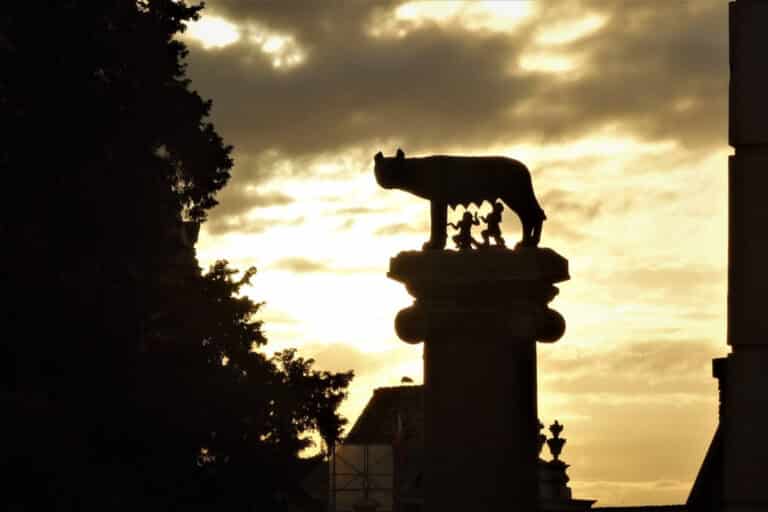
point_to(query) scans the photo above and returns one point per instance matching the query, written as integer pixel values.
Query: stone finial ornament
(464, 180)
(556, 443)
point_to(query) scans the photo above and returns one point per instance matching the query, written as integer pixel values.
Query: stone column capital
(480, 295)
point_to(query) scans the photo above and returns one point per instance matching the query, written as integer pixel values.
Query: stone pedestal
(480, 314)
(554, 493)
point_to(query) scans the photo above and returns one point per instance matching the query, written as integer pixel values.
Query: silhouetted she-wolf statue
(462, 180)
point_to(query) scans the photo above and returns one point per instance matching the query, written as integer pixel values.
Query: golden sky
(618, 108)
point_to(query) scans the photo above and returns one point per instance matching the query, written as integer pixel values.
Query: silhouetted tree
(112, 382)
(250, 413)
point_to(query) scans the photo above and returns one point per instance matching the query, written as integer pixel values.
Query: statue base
(479, 314)
(502, 289)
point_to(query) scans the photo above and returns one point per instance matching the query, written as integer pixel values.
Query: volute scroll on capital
(419, 323)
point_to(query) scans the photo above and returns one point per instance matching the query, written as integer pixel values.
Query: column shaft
(480, 425)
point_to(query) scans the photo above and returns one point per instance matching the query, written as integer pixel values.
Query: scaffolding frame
(362, 476)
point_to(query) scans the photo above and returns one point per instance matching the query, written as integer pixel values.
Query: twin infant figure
(464, 240)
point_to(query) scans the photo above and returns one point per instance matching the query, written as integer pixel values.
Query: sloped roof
(706, 493)
(378, 422)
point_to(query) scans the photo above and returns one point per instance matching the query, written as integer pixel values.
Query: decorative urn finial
(555, 443)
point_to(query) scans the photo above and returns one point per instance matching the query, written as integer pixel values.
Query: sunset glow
(477, 16)
(550, 63)
(628, 155)
(492, 15)
(282, 49)
(570, 31)
(213, 32)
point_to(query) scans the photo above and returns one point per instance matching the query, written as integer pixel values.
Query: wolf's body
(463, 180)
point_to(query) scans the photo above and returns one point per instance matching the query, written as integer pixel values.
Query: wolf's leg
(438, 223)
(536, 233)
(527, 234)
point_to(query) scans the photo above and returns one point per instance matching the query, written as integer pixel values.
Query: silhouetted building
(381, 463)
(732, 476)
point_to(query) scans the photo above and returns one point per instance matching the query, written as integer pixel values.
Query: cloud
(680, 277)
(347, 224)
(234, 200)
(446, 86)
(663, 441)
(218, 225)
(400, 228)
(618, 492)
(652, 402)
(359, 210)
(271, 316)
(568, 203)
(301, 265)
(338, 357)
(564, 230)
(648, 372)
(686, 290)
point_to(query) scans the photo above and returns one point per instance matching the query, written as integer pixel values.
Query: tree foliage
(113, 383)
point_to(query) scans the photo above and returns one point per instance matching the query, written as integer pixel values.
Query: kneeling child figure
(464, 239)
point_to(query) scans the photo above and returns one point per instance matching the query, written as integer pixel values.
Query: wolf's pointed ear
(400, 153)
(378, 157)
